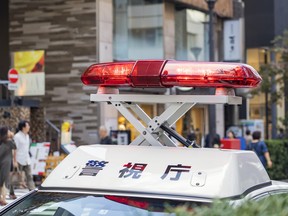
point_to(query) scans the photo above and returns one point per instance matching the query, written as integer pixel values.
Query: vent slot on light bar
(169, 73)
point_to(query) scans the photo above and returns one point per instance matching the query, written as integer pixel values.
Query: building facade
(264, 22)
(75, 34)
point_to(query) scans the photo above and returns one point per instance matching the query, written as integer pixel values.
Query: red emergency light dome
(169, 73)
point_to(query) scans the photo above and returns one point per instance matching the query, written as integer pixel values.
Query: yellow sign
(30, 65)
(29, 61)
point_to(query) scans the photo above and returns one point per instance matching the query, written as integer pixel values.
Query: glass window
(138, 29)
(190, 35)
(256, 57)
(69, 204)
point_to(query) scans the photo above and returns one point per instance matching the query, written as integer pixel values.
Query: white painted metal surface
(202, 99)
(202, 173)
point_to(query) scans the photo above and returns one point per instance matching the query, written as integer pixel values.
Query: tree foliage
(276, 72)
(273, 205)
(281, 46)
(278, 150)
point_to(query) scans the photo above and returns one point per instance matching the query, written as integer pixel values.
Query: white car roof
(187, 172)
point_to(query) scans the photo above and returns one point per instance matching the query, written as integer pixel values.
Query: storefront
(258, 103)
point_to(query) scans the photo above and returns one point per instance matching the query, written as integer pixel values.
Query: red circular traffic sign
(13, 75)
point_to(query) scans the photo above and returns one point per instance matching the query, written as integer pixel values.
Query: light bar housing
(169, 73)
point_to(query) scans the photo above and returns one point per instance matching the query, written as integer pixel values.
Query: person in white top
(22, 141)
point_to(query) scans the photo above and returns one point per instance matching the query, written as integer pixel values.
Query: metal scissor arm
(150, 130)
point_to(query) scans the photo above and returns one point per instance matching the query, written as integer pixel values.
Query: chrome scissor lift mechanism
(156, 131)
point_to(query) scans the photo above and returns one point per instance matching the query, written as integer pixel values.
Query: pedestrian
(198, 136)
(22, 141)
(6, 158)
(231, 135)
(191, 135)
(216, 141)
(260, 148)
(281, 135)
(104, 137)
(248, 137)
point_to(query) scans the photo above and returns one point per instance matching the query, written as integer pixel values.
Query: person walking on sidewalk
(260, 148)
(22, 141)
(104, 137)
(6, 147)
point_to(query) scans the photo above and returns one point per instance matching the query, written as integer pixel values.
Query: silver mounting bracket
(149, 129)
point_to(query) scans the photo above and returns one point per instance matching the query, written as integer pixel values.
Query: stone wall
(66, 30)
(37, 121)
(10, 116)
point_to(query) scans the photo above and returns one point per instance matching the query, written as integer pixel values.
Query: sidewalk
(18, 193)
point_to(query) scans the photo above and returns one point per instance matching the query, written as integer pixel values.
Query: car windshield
(67, 204)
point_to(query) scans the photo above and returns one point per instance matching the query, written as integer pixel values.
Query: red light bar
(169, 73)
(108, 74)
(209, 74)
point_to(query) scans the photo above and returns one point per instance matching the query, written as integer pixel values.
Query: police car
(152, 174)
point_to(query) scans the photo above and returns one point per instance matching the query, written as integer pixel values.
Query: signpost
(13, 77)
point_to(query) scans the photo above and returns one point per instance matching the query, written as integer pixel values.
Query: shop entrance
(192, 124)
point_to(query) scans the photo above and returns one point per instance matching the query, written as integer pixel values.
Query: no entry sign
(13, 75)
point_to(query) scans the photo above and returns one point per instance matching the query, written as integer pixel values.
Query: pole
(274, 104)
(266, 101)
(4, 46)
(211, 107)
(211, 30)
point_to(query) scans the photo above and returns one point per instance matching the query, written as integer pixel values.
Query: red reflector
(108, 74)
(209, 74)
(169, 73)
(128, 201)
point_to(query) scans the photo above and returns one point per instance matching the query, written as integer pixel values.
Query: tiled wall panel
(66, 30)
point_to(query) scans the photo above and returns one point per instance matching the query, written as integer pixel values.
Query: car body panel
(203, 173)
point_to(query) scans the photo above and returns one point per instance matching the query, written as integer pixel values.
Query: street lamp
(211, 4)
(211, 108)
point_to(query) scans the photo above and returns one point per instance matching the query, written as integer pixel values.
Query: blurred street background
(46, 45)
(18, 192)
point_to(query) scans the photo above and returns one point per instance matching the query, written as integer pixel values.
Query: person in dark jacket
(104, 137)
(260, 148)
(281, 134)
(6, 158)
(216, 141)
